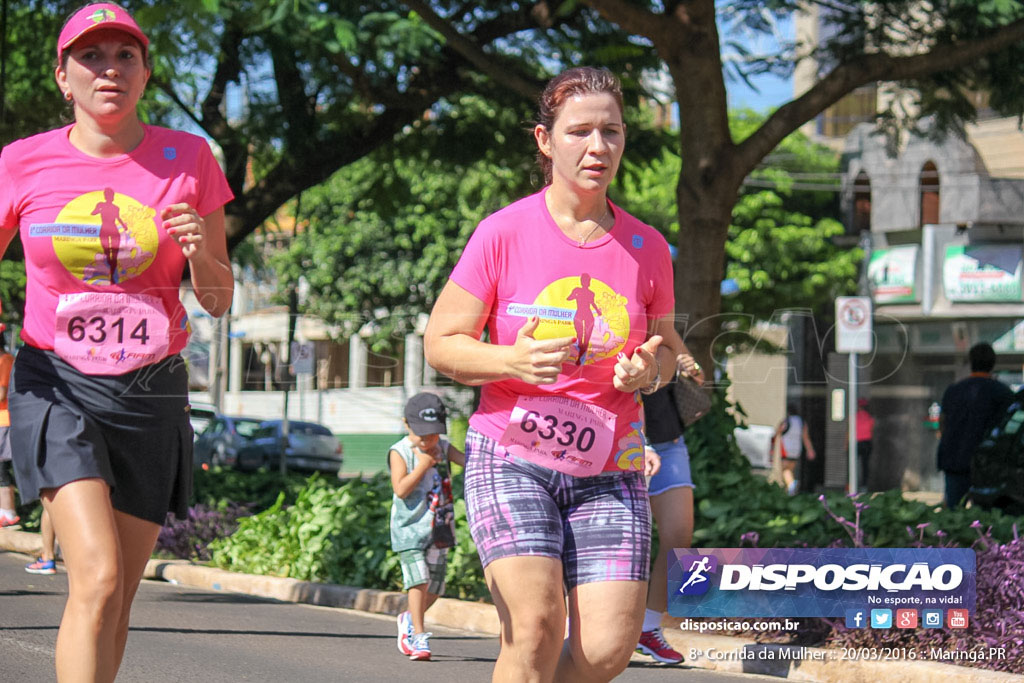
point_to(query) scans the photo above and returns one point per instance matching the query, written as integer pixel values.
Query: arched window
(861, 203)
(929, 194)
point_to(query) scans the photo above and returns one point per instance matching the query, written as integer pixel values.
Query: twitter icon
(881, 618)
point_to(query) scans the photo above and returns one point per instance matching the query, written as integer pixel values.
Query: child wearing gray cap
(422, 514)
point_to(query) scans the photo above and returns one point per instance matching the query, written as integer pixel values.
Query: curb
(718, 653)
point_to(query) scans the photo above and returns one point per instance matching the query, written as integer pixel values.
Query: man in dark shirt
(970, 408)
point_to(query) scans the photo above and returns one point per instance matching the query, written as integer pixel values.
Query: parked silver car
(310, 447)
(219, 442)
(200, 415)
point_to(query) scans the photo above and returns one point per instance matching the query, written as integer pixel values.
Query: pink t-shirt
(520, 264)
(93, 236)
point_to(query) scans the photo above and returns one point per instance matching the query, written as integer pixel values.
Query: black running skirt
(130, 430)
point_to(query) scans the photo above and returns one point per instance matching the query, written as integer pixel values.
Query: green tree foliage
(294, 90)
(30, 100)
(320, 86)
(785, 259)
(382, 235)
(938, 53)
(779, 250)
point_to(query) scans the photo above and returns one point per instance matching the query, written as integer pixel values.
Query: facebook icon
(856, 618)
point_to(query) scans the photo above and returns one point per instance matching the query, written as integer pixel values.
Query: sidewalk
(720, 653)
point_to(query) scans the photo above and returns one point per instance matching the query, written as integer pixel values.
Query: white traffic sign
(854, 333)
(302, 358)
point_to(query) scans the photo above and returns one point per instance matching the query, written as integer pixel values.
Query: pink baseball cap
(98, 16)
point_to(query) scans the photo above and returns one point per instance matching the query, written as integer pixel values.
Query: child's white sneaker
(420, 645)
(405, 631)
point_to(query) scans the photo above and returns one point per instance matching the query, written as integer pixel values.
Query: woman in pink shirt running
(577, 298)
(109, 211)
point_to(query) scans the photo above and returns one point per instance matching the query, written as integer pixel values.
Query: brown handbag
(692, 402)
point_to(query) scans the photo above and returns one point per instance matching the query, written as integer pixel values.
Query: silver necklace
(597, 224)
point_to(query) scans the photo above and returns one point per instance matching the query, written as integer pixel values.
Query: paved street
(181, 634)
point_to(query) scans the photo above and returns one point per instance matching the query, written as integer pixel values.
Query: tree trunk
(708, 179)
(700, 265)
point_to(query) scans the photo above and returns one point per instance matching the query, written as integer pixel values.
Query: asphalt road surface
(181, 634)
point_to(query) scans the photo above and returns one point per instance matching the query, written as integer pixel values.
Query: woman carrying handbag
(671, 492)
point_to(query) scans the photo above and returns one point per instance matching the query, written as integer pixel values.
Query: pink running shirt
(91, 227)
(520, 264)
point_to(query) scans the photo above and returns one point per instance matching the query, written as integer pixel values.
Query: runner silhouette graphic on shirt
(583, 321)
(696, 570)
(110, 235)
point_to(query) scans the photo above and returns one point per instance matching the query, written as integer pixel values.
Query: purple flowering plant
(736, 507)
(188, 538)
(998, 621)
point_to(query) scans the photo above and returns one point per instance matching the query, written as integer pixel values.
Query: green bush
(323, 530)
(732, 504)
(339, 535)
(217, 487)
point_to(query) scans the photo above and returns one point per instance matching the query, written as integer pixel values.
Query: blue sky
(771, 90)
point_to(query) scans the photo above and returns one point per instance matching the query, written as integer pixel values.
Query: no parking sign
(854, 332)
(302, 357)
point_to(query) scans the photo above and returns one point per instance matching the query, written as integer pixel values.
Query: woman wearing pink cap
(109, 211)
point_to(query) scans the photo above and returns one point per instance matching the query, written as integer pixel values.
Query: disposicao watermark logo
(695, 579)
(818, 582)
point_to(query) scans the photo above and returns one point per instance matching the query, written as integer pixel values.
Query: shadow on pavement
(650, 664)
(222, 598)
(29, 593)
(250, 632)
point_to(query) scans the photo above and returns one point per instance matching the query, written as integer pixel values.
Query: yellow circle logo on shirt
(104, 237)
(585, 308)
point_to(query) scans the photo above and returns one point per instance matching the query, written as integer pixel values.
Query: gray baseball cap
(425, 414)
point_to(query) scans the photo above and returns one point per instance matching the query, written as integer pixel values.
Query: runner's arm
(456, 456)
(671, 348)
(204, 243)
(453, 347)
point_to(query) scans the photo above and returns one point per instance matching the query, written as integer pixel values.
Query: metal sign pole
(852, 422)
(282, 462)
(854, 334)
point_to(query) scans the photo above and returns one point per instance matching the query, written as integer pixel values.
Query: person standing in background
(865, 434)
(46, 563)
(970, 408)
(420, 479)
(671, 492)
(793, 438)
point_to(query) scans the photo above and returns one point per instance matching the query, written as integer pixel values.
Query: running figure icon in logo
(583, 321)
(700, 566)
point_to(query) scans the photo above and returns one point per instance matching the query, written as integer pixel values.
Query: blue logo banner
(819, 582)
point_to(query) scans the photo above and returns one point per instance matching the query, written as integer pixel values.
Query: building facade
(944, 229)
